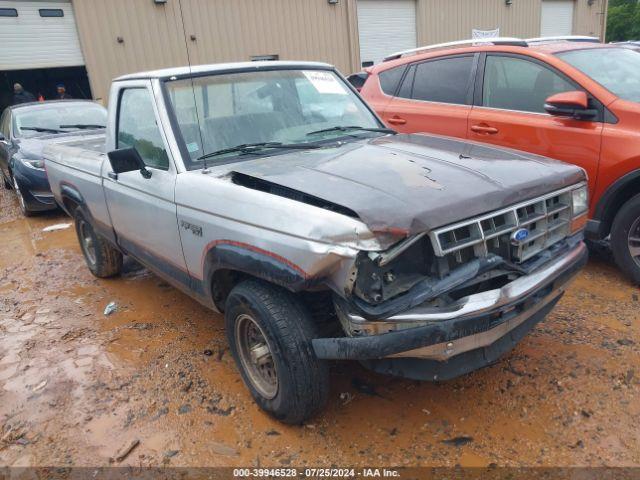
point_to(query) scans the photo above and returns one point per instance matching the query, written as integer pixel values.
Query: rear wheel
(625, 238)
(23, 204)
(102, 258)
(270, 332)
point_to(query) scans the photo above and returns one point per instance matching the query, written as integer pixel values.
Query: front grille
(547, 219)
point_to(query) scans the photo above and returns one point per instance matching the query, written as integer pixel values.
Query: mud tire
(625, 219)
(288, 327)
(105, 260)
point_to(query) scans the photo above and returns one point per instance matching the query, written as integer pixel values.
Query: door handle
(113, 176)
(397, 121)
(484, 129)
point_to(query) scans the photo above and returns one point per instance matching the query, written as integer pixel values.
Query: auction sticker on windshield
(325, 82)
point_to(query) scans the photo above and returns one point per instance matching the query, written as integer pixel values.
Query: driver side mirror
(570, 104)
(127, 160)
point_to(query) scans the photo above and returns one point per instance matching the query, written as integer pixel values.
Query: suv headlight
(580, 200)
(33, 163)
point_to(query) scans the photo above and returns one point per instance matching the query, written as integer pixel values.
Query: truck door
(143, 210)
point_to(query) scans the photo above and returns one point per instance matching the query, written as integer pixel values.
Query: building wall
(448, 20)
(235, 30)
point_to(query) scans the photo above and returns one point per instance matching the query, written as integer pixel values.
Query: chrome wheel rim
(86, 238)
(256, 356)
(634, 241)
(16, 188)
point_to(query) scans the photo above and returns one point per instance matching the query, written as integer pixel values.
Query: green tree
(623, 20)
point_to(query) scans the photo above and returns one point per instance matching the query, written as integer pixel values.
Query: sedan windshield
(58, 118)
(277, 108)
(616, 69)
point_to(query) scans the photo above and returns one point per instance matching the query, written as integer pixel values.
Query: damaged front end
(466, 291)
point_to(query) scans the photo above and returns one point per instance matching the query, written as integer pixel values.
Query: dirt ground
(77, 387)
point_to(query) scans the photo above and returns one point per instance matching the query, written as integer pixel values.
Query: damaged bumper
(430, 344)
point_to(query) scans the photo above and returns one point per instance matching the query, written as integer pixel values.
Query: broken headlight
(380, 279)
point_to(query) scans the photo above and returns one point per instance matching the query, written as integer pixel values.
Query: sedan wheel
(23, 204)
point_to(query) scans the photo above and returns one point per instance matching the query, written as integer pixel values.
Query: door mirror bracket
(127, 160)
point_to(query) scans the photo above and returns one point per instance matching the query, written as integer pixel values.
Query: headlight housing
(35, 164)
(580, 200)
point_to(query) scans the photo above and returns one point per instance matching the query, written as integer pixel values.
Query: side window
(516, 84)
(407, 84)
(447, 80)
(137, 128)
(389, 79)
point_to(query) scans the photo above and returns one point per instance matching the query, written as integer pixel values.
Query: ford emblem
(520, 235)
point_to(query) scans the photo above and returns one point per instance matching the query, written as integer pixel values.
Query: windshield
(292, 107)
(616, 69)
(58, 118)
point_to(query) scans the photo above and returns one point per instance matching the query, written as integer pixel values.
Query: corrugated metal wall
(448, 20)
(234, 30)
(222, 30)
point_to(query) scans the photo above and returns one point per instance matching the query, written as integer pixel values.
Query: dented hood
(415, 182)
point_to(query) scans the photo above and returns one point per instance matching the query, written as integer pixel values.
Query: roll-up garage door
(38, 35)
(556, 18)
(385, 27)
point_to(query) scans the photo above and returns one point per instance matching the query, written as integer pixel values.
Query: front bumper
(471, 333)
(35, 189)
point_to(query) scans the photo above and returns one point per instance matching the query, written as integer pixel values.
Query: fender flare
(67, 190)
(254, 261)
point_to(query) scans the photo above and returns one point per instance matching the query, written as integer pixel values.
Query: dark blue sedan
(26, 129)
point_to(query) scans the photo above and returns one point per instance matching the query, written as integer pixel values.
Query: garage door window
(8, 12)
(51, 12)
(445, 81)
(137, 128)
(516, 84)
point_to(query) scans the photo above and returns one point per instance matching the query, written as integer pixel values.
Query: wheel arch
(226, 263)
(614, 198)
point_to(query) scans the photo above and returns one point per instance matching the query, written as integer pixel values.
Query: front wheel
(270, 332)
(102, 258)
(625, 239)
(23, 204)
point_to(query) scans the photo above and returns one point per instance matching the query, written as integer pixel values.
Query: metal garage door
(38, 37)
(557, 17)
(385, 27)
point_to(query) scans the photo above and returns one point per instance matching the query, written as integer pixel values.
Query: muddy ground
(77, 386)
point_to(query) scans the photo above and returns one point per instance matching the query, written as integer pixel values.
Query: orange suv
(572, 99)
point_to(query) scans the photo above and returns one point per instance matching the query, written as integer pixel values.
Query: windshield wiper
(82, 126)
(42, 129)
(256, 147)
(347, 128)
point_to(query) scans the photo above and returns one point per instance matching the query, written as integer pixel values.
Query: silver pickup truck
(271, 192)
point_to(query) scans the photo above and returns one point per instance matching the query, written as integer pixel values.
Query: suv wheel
(270, 332)
(102, 258)
(625, 238)
(23, 205)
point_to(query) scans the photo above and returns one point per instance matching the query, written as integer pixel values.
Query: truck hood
(414, 183)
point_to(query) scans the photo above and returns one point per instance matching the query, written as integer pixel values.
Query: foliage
(623, 20)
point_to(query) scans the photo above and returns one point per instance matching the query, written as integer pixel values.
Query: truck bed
(77, 165)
